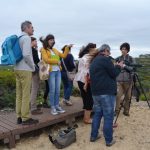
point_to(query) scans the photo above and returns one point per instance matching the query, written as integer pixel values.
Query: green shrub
(7, 88)
(75, 92)
(7, 79)
(142, 97)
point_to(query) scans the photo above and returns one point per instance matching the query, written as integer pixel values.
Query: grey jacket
(125, 76)
(26, 63)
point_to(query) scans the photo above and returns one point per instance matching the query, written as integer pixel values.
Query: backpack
(64, 137)
(11, 51)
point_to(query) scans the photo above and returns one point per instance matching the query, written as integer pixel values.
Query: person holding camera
(124, 80)
(103, 75)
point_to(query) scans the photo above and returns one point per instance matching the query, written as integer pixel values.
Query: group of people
(27, 75)
(100, 78)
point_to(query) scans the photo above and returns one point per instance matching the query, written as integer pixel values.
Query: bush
(7, 88)
(142, 97)
(75, 92)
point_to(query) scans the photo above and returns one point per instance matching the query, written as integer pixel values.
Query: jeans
(54, 87)
(103, 107)
(68, 85)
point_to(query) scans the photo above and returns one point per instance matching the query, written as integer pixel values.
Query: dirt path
(133, 133)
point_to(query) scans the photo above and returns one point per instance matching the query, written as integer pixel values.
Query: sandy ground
(132, 133)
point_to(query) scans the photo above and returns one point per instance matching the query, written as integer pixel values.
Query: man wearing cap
(124, 80)
(103, 75)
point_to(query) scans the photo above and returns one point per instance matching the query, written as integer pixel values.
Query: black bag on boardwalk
(64, 138)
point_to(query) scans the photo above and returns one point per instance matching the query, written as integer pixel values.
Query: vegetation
(8, 86)
(144, 74)
(7, 83)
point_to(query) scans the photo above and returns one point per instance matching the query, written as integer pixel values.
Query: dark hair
(86, 49)
(63, 49)
(45, 41)
(24, 25)
(33, 39)
(126, 45)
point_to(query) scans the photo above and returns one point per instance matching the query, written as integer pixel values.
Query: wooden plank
(9, 129)
(11, 117)
(7, 126)
(44, 123)
(7, 122)
(7, 136)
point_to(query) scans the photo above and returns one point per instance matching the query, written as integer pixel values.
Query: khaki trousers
(23, 87)
(122, 88)
(34, 90)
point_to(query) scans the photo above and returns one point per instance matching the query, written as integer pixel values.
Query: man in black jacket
(103, 75)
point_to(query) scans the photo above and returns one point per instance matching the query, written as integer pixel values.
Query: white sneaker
(68, 103)
(54, 111)
(60, 110)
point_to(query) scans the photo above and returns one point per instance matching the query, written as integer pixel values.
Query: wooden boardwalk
(10, 131)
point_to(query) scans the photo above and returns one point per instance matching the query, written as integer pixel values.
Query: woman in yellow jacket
(52, 57)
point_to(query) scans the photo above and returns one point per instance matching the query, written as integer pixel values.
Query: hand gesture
(121, 64)
(70, 45)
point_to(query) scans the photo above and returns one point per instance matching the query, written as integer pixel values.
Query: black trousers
(86, 96)
(46, 91)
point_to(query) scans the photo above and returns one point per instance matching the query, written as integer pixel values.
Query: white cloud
(80, 22)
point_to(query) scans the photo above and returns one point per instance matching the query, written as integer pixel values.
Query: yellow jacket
(46, 56)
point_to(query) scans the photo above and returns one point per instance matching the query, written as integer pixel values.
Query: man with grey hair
(103, 75)
(23, 71)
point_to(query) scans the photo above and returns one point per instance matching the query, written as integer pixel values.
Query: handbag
(70, 75)
(64, 138)
(43, 70)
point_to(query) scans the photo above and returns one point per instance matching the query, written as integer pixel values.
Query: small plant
(142, 97)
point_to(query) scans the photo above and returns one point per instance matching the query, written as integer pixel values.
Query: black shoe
(30, 121)
(39, 106)
(111, 143)
(19, 120)
(45, 105)
(116, 113)
(126, 114)
(92, 139)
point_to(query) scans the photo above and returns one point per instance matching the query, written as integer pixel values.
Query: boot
(87, 117)
(126, 112)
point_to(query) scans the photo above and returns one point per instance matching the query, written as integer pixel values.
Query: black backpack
(64, 138)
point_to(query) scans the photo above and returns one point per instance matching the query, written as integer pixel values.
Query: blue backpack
(11, 51)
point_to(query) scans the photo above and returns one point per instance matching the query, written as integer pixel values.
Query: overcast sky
(82, 21)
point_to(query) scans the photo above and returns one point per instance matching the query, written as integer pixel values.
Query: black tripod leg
(142, 89)
(137, 93)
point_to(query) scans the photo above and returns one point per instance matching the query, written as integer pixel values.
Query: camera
(130, 67)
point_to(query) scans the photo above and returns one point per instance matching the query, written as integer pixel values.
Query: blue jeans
(54, 87)
(103, 107)
(68, 85)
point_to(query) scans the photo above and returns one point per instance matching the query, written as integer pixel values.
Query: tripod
(134, 78)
